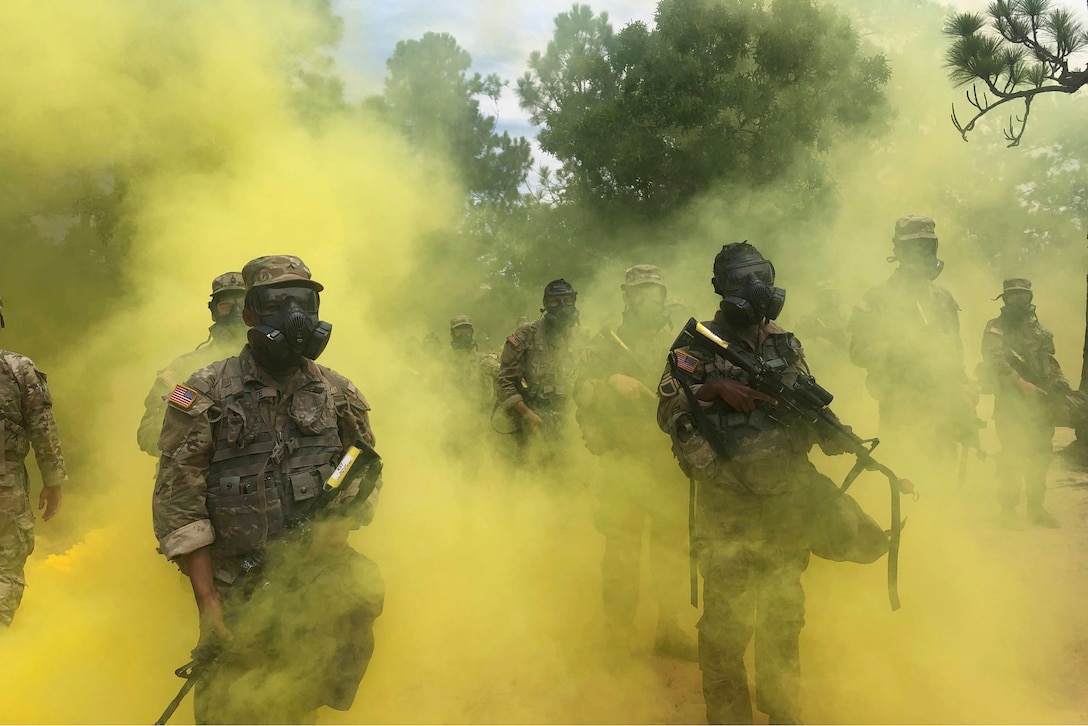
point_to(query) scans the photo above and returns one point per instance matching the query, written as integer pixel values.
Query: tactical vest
(256, 481)
(549, 372)
(756, 436)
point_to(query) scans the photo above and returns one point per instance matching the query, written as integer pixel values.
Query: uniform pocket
(241, 523)
(313, 411)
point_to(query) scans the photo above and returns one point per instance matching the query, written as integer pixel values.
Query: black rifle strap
(693, 566)
(702, 421)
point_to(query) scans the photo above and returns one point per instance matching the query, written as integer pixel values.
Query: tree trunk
(1084, 359)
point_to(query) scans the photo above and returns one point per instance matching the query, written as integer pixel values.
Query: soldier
(751, 535)
(906, 333)
(225, 338)
(1018, 353)
(539, 364)
(472, 371)
(247, 443)
(616, 402)
(27, 411)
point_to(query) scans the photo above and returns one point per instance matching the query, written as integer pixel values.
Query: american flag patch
(686, 362)
(182, 396)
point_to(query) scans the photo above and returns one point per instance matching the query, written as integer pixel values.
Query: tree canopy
(1016, 51)
(719, 92)
(432, 96)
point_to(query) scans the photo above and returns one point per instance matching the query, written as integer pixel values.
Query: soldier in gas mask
(1018, 355)
(642, 489)
(226, 336)
(247, 443)
(905, 333)
(26, 413)
(539, 364)
(754, 506)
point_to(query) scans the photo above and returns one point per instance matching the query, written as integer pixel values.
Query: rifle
(805, 402)
(360, 461)
(1067, 406)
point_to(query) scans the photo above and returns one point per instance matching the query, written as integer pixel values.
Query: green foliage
(720, 92)
(1020, 49)
(433, 99)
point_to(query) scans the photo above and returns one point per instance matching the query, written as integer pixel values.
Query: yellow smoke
(493, 606)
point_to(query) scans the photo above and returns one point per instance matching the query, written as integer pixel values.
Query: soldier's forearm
(198, 566)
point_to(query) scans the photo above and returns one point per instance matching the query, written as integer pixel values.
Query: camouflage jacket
(765, 454)
(213, 349)
(241, 450)
(27, 410)
(473, 374)
(610, 422)
(1027, 345)
(906, 334)
(538, 366)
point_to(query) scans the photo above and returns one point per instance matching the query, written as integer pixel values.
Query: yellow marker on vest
(340, 472)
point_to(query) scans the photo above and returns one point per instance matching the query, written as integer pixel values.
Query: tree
(720, 92)
(1020, 50)
(432, 99)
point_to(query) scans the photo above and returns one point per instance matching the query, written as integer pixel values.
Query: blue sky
(499, 36)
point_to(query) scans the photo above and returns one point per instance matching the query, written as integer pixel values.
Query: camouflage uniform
(751, 539)
(219, 345)
(27, 411)
(1023, 420)
(472, 371)
(538, 365)
(242, 451)
(906, 333)
(641, 485)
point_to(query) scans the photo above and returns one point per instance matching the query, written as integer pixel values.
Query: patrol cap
(277, 270)
(227, 282)
(674, 301)
(914, 227)
(1015, 284)
(460, 321)
(642, 275)
(558, 287)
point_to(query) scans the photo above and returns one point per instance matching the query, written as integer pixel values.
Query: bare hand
(1029, 387)
(530, 417)
(212, 626)
(737, 395)
(628, 387)
(49, 501)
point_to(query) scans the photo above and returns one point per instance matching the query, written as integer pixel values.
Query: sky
(499, 36)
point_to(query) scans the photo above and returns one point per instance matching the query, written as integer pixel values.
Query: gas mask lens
(272, 300)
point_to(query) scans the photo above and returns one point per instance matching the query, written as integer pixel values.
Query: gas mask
(226, 309)
(749, 296)
(461, 338)
(645, 307)
(1018, 309)
(918, 258)
(561, 310)
(289, 329)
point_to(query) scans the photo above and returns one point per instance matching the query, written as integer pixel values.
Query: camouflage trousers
(16, 539)
(633, 499)
(302, 641)
(1026, 450)
(752, 551)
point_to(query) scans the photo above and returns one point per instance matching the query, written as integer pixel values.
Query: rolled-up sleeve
(179, 504)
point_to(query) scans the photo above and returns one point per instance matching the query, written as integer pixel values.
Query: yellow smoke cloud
(492, 612)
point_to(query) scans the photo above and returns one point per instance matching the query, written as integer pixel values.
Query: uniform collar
(251, 371)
